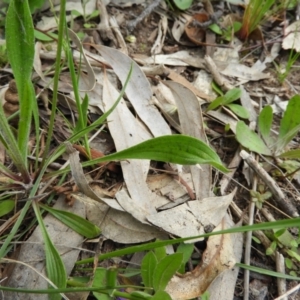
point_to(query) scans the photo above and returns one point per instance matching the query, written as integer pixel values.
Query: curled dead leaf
(218, 257)
(193, 31)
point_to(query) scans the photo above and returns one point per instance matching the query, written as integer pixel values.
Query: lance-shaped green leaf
(178, 149)
(265, 120)
(77, 223)
(20, 50)
(55, 267)
(148, 265)
(290, 120)
(165, 269)
(239, 110)
(249, 139)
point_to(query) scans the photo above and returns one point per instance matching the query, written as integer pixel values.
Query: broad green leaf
(161, 295)
(265, 120)
(6, 206)
(186, 250)
(290, 119)
(165, 269)
(20, 50)
(216, 103)
(215, 28)
(282, 142)
(160, 253)
(35, 4)
(77, 223)
(43, 37)
(249, 139)
(148, 265)
(291, 154)
(55, 267)
(178, 149)
(239, 110)
(20, 40)
(100, 281)
(232, 95)
(183, 4)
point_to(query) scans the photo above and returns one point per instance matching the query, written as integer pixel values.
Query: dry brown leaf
(217, 258)
(195, 33)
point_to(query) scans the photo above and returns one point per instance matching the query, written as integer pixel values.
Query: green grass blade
(8, 140)
(152, 245)
(78, 224)
(267, 272)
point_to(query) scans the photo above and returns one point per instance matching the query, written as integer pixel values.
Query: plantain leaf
(265, 120)
(55, 267)
(20, 50)
(6, 206)
(249, 139)
(239, 110)
(161, 295)
(291, 154)
(148, 265)
(77, 223)
(165, 269)
(178, 149)
(183, 4)
(289, 122)
(232, 95)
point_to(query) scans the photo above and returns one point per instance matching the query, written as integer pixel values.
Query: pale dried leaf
(126, 132)
(189, 219)
(37, 64)
(138, 90)
(217, 258)
(117, 225)
(180, 58)
(90, 80)
(162, 31)
(291, 38)
(191, 121)
(224, 285)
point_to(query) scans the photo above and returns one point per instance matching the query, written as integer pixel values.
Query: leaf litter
(128, 217)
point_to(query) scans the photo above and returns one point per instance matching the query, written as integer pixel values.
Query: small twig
(248, 242)
(281, 282)
(182, 181)
(277, 193)
(104, 27)
(132, 24)
(291, 291)
(220, 80)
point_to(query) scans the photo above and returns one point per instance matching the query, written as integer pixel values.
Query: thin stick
(277, 193)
